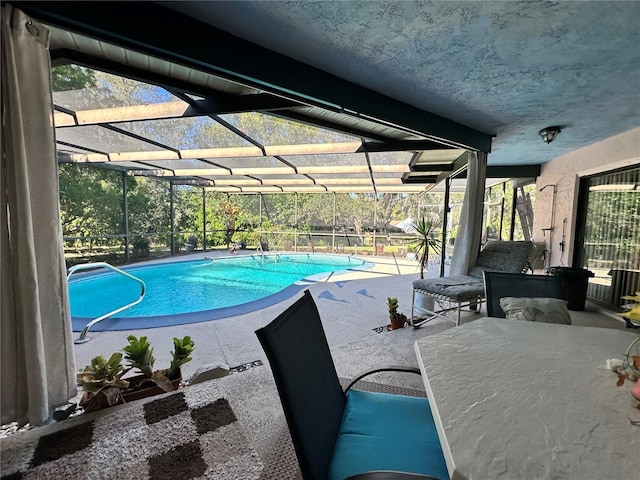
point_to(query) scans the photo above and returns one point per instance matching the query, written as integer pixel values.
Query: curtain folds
(467, 246)
(37, 365)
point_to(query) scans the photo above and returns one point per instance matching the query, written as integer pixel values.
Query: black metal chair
(498, 285)
(345, 434)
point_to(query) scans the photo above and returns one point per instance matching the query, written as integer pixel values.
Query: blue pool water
(198, 290)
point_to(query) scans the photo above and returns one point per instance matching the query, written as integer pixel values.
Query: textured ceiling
(504, 68)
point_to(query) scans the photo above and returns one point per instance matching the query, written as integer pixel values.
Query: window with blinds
(609, 234)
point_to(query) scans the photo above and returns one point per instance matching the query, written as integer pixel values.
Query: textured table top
(525, 400)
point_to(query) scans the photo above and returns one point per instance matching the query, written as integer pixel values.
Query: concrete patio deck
(353, 309)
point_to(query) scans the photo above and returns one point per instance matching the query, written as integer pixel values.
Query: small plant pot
(141, 387)
(397, 322)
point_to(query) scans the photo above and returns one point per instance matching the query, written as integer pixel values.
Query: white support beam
(133, 113)
(264, 171)
(356, 181)
(201, 172)
(219, 153)
(313, 148)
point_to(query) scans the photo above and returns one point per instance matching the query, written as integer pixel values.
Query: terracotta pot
(397, 322)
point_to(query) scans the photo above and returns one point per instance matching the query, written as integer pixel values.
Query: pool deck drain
(246, 366)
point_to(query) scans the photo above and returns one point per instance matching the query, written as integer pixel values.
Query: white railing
(90, 266)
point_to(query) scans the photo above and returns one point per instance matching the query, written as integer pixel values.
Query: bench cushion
(381, 431)
(459, 288)
(504, 256)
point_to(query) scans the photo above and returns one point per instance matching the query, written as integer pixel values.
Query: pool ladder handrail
(261, 250)
(90, 266)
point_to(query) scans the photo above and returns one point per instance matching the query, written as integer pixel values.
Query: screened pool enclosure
(151, 170)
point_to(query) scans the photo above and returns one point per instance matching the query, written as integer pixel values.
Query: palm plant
(425, 242)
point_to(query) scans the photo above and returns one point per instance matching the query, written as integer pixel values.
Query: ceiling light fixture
(549, 134)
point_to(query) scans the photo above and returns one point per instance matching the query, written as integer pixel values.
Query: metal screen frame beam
(134, 25)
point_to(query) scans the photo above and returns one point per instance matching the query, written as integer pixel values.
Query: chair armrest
(383, 368)
(388, 475)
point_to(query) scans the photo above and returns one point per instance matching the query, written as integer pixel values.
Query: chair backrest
(504, 256)
(308, 385)
(498, 285)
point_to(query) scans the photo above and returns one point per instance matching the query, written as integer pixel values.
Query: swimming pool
(197, 290)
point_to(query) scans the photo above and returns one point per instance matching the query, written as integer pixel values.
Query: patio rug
(159, 438)
(177, 435)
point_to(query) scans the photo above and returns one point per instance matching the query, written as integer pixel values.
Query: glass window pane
(612, 235)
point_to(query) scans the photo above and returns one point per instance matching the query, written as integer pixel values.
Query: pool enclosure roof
(408, 74)
(240, 145)
(148, 116)
(194, 128)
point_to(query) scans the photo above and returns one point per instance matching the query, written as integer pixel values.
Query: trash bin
(574, 285)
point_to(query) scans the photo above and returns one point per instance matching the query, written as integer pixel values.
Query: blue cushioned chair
(340, 434)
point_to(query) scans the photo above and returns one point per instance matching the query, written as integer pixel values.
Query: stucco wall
(564, 173)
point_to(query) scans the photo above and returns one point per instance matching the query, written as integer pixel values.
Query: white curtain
(465, 250)
(36, 340)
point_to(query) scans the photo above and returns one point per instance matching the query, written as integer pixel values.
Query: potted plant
(139, 355)
(191, 244)
(397, 319)
(631, 314)
(104, 383)
(230, 213)
(425, 242)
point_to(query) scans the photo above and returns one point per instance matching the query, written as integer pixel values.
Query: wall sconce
(549, 134)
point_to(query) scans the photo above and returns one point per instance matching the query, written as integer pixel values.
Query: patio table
(524, 400)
